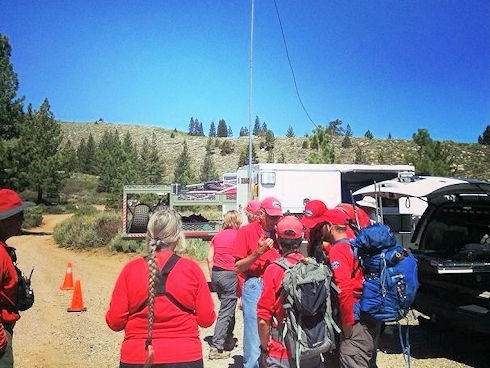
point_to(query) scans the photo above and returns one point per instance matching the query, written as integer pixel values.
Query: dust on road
(48, 336)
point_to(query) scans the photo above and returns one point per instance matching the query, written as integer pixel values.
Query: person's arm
(264, 332)
(117, 315)
(243, 264)
(342, 271)
(210, 258)
(205, 314)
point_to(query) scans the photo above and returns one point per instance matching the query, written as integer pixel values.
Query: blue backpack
(390, 274)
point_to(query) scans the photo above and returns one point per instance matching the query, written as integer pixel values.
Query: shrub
(118, 244)
(53, 210)
(86, 210)
(194, 248)
(32, 217)
(87, 230)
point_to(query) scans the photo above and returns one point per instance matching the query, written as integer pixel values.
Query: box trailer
(296, 184)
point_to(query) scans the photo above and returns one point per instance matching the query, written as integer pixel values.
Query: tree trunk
(39, 194)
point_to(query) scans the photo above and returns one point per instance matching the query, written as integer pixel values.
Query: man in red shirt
(270, 312)
(11, 218)
(256, 248)
(358, 341)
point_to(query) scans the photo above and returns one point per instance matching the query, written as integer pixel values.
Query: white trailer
(295, 184)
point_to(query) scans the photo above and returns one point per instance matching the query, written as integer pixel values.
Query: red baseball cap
(313, 213)
(272, 206)
(253, 207)
(11, 204)
(336, 216)
(289, 227)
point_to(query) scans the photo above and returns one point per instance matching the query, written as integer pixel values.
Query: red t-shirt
(247, 242)
(8, 285)
(270, 304)
(223, 244)
(343, 265)
(175, 332)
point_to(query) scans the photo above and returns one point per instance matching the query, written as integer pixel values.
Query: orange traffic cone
(77, 300)
(68, 282)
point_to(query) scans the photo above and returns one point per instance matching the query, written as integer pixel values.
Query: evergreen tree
(212, 130)
(269, 140)
(389, 136)
(256, 130)
(184, 174)
(263, 129)
(348, 131)
(155, 165)
(433, 158)
(368, 134)
(346, 142)
(227, 147)
(290, 132)
(305, 145)
(321, 142)
(222, 128)
(82, 156)
(192, 127)
(11, 107)
(172, 135)
(69, 160)
(201, 130)
(91, 152)
(485, 137)
(243, 131)
(40, 153)
(335, 127)
(282, 158)
(359, 158)
(209, 145)
(208, 169)
(243, 159)
(128, 145)
(230, 132)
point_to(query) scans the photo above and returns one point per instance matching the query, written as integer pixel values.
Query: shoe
(230, 344)
(218, 354)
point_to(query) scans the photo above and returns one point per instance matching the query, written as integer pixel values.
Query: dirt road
(48, 336)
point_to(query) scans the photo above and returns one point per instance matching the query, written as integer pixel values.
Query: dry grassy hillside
(473, 160)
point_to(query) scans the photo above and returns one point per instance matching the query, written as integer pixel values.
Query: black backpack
(25, 294)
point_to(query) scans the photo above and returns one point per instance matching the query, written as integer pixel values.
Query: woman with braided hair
(160, 301)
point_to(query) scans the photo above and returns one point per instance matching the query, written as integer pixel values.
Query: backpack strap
(161, 289)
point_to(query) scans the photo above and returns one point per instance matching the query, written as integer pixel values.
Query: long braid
(164, 232)
(152, 280)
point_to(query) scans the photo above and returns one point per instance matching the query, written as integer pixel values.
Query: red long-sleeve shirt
(270, 303)
(8, 286)
(175, 332)
(247, 242)
(343, 266)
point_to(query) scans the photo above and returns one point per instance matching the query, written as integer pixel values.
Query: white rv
(295, 184)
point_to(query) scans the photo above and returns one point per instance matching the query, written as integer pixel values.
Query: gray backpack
(308, 328)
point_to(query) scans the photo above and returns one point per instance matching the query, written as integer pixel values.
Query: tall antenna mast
(250, 176)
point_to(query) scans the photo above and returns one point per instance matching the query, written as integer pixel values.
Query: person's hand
(3, 339)
(347, 330)
(264, 244)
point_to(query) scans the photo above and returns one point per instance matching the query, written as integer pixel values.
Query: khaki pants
(359, 351)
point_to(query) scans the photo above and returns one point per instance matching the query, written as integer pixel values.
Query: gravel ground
(48, 336)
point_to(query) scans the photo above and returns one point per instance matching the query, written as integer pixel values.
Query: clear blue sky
(387, 66)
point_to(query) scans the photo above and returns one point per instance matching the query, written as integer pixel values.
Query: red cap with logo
(253, 207)
(289, 227)
(272, 206)
(313, 213)
(336, 216)
(11, 204)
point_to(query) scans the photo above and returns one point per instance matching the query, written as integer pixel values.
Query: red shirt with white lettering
(247, 242)
(270, 303)
(175, 332)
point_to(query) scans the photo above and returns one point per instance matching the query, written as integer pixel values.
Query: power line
(291, 66)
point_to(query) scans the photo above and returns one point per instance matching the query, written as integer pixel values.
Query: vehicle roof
(330, 167)
(414, 186)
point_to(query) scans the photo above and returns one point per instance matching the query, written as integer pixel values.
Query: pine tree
(243, 131)
(263, 129)
(201, 130)
(256, 130)
(192, 127)
(368, 134)
(227, 147)
(348, 131)
(69, 157)
(184, 174)
(230, 132)
(208, 169)
(212, 130)
(321, 142)
(290, 132)
(485, 137)
(82, 156)
(346, 142)
(270, 156)
(40, 154)
(389, 136)
(209, 145)
(243, 159)
(335, 127)
(359, 158)
(91, 152)
(305, 145)
(222, 128)
(11, 107)
(432, 158)
(269, 140)
(156, 167)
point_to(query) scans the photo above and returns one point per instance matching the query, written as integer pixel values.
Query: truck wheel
(141, 216)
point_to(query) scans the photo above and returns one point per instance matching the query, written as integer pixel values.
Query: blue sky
(387, 66)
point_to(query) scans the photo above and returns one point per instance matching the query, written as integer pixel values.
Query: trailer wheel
(141, 215)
